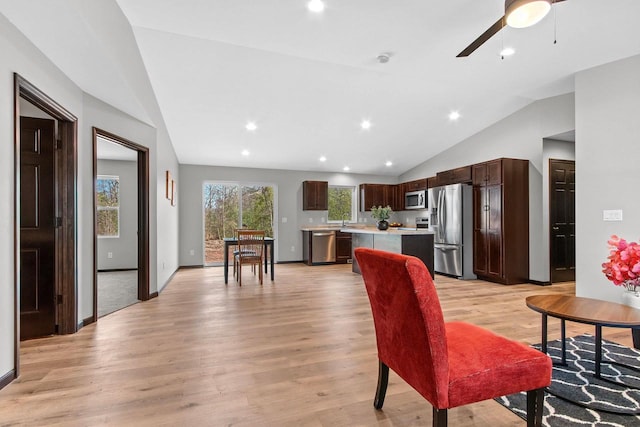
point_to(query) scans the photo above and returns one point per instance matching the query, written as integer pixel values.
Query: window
(108, 206)
(227, 206)
(342, 203)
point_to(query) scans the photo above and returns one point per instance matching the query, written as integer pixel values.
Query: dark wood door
(480, 244)
(494, 230)
(37, 227)
(562, 220)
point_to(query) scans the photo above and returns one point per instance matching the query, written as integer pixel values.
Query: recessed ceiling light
(346, 169)
(316, 6)
(245, 152)
(454, 115)
(323, 159)
(251, 126)
(366, 124)
(507, 51)
(389, 163)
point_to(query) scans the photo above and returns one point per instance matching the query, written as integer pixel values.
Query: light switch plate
(612, 215)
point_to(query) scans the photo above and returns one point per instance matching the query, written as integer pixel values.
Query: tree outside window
(230, 206)
(341, 203)
(108, 206)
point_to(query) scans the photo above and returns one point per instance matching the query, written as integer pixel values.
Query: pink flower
(624, 262)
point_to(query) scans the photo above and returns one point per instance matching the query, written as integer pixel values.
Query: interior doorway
(121, 223)
(116, 226)
(45, 216)
(562, 220)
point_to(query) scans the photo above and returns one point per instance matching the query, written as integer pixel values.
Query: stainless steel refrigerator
(450, 219)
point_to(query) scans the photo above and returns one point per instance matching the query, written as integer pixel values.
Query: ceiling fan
(517, 14)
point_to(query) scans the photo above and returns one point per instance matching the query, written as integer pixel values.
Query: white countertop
(401, 231)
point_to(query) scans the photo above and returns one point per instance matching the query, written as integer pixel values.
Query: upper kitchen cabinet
(380, 195)
(461, 175)
(315, 195)
(432, 182)
(488, 173)
(501, 221)
(417, 185)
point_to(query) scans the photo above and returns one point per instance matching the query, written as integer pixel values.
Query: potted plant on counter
(381, 214)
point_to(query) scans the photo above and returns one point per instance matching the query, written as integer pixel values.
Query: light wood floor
(297, 352)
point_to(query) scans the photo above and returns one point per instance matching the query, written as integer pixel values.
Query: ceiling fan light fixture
(525, 13)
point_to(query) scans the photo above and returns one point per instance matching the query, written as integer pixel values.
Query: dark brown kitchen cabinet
(488, 173)
(315, 195)
(379, 195)
(395, 195)
(432, 182)
(501, 220)
(417, 185)
(461, 175)
(343, 247)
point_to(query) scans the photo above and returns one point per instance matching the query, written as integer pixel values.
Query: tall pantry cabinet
(501, 220)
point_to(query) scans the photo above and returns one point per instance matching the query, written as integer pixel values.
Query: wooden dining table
(232, 241)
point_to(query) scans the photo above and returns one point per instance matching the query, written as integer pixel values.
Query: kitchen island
(418, 243)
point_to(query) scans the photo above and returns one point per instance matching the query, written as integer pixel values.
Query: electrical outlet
(109, 255)
(284, 219)
(192, 252)
(293, 248)
(310, 220)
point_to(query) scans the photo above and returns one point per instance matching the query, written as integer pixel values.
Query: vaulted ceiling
(205, 68)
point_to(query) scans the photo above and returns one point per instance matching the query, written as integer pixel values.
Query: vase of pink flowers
(623, 268)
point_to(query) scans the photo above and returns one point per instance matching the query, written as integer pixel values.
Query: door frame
(143, 213)
(66, 170)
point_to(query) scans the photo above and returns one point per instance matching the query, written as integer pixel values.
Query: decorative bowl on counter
(395, 224)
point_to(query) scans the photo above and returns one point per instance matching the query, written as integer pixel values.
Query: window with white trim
(342, 203)
(108, 206)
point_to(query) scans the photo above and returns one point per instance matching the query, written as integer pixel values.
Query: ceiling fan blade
(483, 38)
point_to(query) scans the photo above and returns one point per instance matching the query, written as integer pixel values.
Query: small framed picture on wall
(168, 188)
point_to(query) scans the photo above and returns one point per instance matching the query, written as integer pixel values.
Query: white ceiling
(308, 80)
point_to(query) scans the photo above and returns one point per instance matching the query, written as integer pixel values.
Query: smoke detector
(383, 58)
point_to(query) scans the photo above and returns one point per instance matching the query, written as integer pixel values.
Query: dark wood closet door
(37, 227)
(494, 229)
(562, 220)
(480, 244)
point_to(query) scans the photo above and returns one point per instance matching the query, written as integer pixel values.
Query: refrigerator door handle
(443, 227)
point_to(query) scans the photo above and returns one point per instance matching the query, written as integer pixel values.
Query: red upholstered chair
(449, 363)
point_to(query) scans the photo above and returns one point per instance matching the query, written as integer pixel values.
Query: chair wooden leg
(259, 267)
(381, 389)
(239, 274)
(535, 406)
(439, 417)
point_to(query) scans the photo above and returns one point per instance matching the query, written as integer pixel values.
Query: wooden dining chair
(235, 252)
(250, 251)
(449, 363)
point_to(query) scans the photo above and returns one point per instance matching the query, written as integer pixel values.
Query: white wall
(289, 204)
(20, 56)
(520, 136)
(124, 248)
(607, 159)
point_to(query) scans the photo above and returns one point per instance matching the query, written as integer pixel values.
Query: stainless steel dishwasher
(323, 246)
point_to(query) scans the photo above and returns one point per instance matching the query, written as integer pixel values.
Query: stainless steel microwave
(415, 200)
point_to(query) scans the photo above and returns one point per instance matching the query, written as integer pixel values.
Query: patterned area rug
(576, 382)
